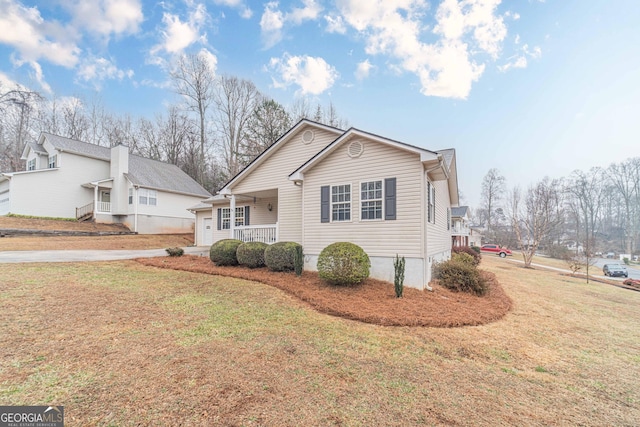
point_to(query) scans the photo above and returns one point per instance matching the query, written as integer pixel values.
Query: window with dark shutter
(390, 199)
(325, 204)
(219, 219)
(247, 211)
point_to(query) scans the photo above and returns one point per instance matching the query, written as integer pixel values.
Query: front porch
(250, 217)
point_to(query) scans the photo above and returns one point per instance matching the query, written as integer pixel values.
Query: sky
(533, 88)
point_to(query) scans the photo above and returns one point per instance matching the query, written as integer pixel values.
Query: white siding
(57, 192)
(5, 197)
(438, 236)
(274, 173)
(379, 238)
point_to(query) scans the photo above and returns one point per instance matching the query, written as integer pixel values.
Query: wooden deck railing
(84, 211)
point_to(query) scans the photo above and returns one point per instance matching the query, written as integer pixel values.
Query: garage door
(207, 229)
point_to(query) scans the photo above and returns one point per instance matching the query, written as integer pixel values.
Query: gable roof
(143, 172)
(274, 147)
(426, 156)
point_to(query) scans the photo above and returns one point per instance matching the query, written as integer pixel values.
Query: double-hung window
(371, 200)
(431, 203)
(31, 165)
(147, 197)
(224, 222)
(130, 196)
(53, 161)
(341, 202)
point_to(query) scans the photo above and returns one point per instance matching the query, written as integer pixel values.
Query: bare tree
(235, 101)
(534, 217)
(18, 109)
(586, 190)
(622, 176)
(194, 80)
(493, 191)
(268, 122)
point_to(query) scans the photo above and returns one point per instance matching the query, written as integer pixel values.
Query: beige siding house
(72, 179)
(318, 185)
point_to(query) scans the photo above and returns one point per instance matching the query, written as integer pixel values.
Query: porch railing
(257, 233)
(84, 212)
(104, 207)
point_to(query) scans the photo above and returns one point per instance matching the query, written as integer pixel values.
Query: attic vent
(307, 136)
(355, 149)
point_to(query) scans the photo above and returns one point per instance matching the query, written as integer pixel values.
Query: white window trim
(332, 203)
(148, 195)
(431, 202)
(30, 163)
(55, 161)
(381, 199)
(227, 217)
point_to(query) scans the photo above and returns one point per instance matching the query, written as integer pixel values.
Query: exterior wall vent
(307, 136)
(355, 149)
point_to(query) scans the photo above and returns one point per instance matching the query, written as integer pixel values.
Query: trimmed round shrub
(461, 277)
(223, 252)
(343, 263)
(251, 254)
(477, 257)
(281, 256)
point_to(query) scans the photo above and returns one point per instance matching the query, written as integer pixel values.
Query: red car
(496, 249)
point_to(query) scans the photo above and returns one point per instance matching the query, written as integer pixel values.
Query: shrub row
(281, 256)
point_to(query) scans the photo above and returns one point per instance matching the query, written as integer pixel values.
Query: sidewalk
(91, 255)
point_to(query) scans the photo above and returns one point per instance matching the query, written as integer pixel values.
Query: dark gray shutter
(219, 219)
(247, 211)
(389, 198)
(325, 205)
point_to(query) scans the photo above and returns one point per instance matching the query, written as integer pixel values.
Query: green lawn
(119, 344)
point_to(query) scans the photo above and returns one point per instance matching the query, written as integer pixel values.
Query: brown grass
(373, 301)
(122, 344)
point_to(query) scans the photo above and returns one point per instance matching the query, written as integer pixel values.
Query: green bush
(476, 249)
(298, 261)
(463, 258)
(281, 256)
(343, 263)
(461, 277)
(175, 251)
(251, 254)
(223, 252)
(477, 257)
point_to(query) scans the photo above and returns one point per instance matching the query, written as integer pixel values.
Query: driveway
(91, 255)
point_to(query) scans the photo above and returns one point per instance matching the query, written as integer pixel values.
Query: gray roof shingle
(142, 171)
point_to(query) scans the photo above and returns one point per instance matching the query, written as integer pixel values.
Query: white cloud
(363, 69)
(520, 59)
(271, 24)
(209, 58)
(96, 70)
(312, 74)
(33, 38)
(245, 11)
(178, 34)
(106, 17)
(309, 12)
(446, 66)
(273, 20)
(335, 24)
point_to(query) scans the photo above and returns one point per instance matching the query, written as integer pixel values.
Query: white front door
(207, 231)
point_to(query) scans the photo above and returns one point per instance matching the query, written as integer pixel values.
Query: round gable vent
(307, 136)
(355, 149)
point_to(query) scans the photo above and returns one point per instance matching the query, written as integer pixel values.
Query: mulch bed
(372, 302)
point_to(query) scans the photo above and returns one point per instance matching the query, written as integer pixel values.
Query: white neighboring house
(460, 227)
(73, 179)
(318, 185)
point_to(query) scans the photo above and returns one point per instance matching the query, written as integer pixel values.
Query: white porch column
(95, 200)
(232, 216)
